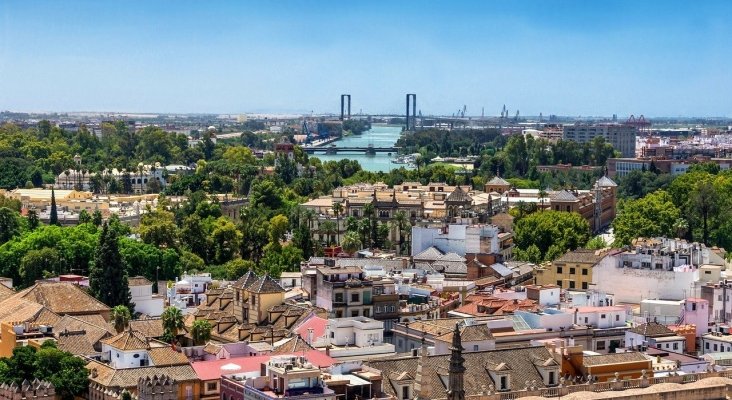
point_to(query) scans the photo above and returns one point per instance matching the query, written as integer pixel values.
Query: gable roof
(62, 298)
(149, 327)
(470, 333)
(17, 310)
(614, 358)
(76, 343)
(128, 340)
(128, 377)
(584, 256)
(91, 332)
(166, 356)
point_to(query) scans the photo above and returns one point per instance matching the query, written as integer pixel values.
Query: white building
(290, 280)
(142, 296)
(653, 334)
(716, 342)
(189, 291)
(456, 238)
(601, 317)
(474, 337)
(622, 137)
(355, 338)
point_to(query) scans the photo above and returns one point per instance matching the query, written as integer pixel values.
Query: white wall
(630, 285)
(124, 359)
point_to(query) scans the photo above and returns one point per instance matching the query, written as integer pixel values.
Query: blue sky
(658, 58)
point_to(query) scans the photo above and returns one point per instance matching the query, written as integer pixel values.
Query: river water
(378, 136)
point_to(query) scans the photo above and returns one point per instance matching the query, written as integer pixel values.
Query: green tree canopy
(563, 230)
(652, 215)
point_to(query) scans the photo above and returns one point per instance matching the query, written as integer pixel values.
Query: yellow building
(573, 270)
(263, 294)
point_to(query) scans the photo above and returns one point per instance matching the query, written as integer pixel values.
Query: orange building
(602, 367)
(688, 332)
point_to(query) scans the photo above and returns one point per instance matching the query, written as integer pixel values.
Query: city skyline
(569, 58)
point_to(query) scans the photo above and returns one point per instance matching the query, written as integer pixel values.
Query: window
(676, 346)
(600, 345)
(571, 271)
(571, 284)
(617, 317)
(355, 297)
(332, 335)
(603, 316)
(366, 313)
(587, 320)
(559, 270)
(405, 392)
(338, 297)
(475, 347)
(584, 285)
(559, 283)
(254, 300)
(551, 377)
(378, 309)
(715, 347)
(136, 356)
(354, 313)
(504, 383)
(706, 345)
(584, 271)
(693, 306)
(211, 386)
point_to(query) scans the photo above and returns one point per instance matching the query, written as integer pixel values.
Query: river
(379, 136)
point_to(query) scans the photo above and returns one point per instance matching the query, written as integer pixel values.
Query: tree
(328, 229)
(351, 242)
(338, 210)
(108, 275)
(596, 243)
(9, 224)
(35, 264)
(277, 228)
(201, 331)
(54, 212)
(121, 317)
(235, 269)
(97, 218)
(705, 202)
(226, 240)
(158, 228)
(65, 371)
(172, 321)
(650, 216)
(33, 220)
(84, 217)
(564, 230)
(401, 223)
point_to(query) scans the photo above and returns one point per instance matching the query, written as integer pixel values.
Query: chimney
(327, 350)
(310, 336)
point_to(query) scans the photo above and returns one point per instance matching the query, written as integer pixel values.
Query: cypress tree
(107, 275)
(54, 212)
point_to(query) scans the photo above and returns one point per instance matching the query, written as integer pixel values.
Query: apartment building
(622, 137)
(344, 291)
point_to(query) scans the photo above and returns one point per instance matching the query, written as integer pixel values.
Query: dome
(212, 128)
(230, 367)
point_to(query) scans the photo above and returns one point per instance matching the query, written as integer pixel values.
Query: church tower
(457, 368)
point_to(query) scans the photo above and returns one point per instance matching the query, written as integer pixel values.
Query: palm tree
(201, 331)
(681, 226)
(337, 210)
(351, 242)
(172, 321)
(328, 228)
(542, 195)
(121, 317)
(400, 221)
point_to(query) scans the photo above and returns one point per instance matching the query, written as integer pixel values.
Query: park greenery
(66, 372)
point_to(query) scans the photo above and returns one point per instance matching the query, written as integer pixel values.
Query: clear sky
(589, 57)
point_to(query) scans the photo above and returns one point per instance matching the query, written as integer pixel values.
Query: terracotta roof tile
(166, 356)
(138, 281)
(128, 377)
(265, 284)
(62, 298)
(615, 358)
(128, 340)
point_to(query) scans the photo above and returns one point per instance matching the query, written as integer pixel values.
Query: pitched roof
(295, 344)
(431, 253)
(246, 280)
(518, 363)
(138, 281)
(652, 329)
(149, 327)
(265, 284)
(317, 324)
(62, 298)
(5, 292)
(584, 256)
(563, 195)
(92, 333)
(470, 333)
(76, 343)
(128, 340)
(166, 356)
(16, 310)
(128, 377)
(606, 182)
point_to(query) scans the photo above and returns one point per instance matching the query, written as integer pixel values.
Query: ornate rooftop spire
(457, 367)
